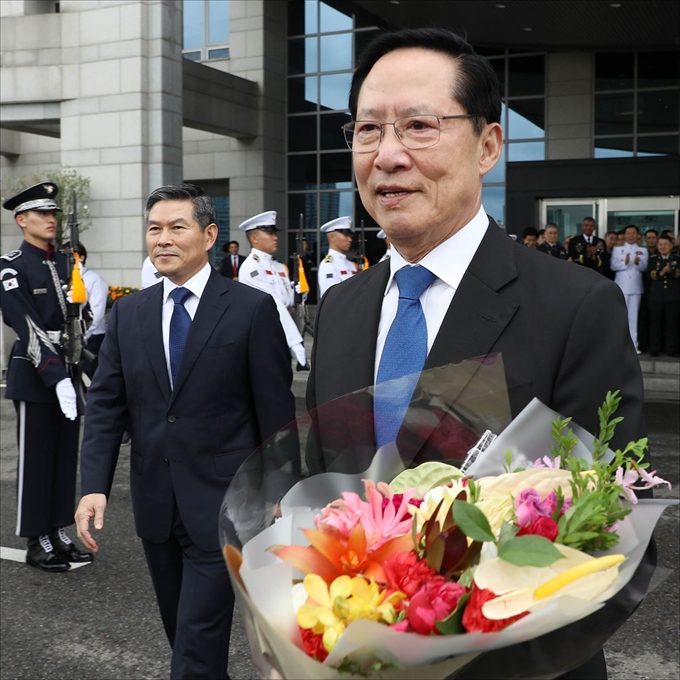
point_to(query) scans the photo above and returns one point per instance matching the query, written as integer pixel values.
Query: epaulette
(256, 258)
(328, 258)
(11, 256)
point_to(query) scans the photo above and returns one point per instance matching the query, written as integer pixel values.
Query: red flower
(398, 498)
(313, 644)
(474, 620)
(541, 526)
(435, 601)
(407, 573)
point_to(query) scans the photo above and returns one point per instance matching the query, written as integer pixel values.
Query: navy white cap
(339, 224)
(381, 234)
(38, 197)
(261, 221)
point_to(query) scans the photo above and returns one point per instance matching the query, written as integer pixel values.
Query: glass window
(302, 94)
(194, 24)
(335, 91)
(614, 147)
(658, 146)
(497, 173)
(614, 70)
(527, 76)
(526, 118)
(304, 204)
(296, 18)
(218, 21)
(311, 16)
(331, 130)
(614, 114)
(361, 215)
(658, 111)
(336, 52)
(658, 69)
(333, 20)
(333, 204)
(302, 133)
(219, 53)
(526, 151)
(336, 170)
(192, 56)
(302, 171)
(493, 200)
(302, 56)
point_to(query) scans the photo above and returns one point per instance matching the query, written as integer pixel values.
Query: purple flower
(529, 506)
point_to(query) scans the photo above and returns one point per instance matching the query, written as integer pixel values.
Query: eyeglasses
(414, 132)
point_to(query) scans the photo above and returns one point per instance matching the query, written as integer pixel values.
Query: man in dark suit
(588, 250)
(232, 260)
(421, 145)
(199, 368)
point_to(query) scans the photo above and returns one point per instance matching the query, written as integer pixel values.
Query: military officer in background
(550, 245)
(34, 305)
(382, 235)
(336, 266)
(664, 299)
(589, 250)
(261, 270)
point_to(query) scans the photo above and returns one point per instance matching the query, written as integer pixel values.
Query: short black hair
(204, 207)
(530, 231)
(225, 246)
(631, 226)
(475, 88)
(82, 251)
(664, 237)
(652, 231)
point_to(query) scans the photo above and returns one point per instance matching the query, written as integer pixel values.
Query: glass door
(568, 214)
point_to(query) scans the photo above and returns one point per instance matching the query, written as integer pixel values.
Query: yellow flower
(328, 611)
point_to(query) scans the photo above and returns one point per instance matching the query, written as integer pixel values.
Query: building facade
(247, 98)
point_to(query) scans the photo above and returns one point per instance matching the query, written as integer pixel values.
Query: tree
(68, 180)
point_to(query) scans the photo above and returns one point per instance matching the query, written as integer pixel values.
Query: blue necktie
(403, 356)
(179, 328)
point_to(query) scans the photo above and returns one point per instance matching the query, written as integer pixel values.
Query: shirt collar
(337, 253)
(196, 284)
(262, 255)
(449, 260)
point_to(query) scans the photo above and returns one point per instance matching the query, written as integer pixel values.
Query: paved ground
(100, 622)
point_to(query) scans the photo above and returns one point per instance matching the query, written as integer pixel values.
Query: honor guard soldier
(336, 266)
(383, 236)
(550, 245)
(261, 270)
(664, 299)
(34, 306)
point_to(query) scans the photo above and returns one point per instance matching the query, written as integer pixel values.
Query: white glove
(297, 288)
(67, 398)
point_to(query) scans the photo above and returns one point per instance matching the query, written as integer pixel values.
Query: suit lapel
(150, 315)
(208, 314)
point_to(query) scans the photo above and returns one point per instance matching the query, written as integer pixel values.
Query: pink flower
(626, 481)
(529, 506)
(547, 462)
(651, 479)
(380, 520)
(435, 601)
(550, 502)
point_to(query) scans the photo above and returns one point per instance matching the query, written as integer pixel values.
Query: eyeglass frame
(345, 128)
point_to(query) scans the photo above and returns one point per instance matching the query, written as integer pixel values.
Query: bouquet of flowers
(415, 571)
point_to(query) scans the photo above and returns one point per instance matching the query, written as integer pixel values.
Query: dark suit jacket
(232, 393)
(562, 331)
(226, 268)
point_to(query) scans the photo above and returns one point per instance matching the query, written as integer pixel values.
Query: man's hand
(92, 505)
(66, 395)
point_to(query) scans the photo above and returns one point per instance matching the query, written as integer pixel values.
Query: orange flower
(330, 556)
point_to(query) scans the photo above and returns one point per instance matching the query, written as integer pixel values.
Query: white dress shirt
(448, 262)
(196, 284)
(97, 292)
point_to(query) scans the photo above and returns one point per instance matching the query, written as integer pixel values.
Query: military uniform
(664, 304)
(34, 306)
(336, 266)
(578, 251)
(261, 270)
(555, 249)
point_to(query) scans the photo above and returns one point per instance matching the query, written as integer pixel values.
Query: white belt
(54, 336)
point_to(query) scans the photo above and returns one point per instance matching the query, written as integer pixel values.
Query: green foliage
(453, 623)
(472, 521)
(355, 668)
(68, 180)
(529, 551)
(565, 441)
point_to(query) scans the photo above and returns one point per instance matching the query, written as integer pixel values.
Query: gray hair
(204, 207)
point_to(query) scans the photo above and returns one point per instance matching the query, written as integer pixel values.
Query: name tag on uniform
(329, 276)
(40, 291)
(254, 273)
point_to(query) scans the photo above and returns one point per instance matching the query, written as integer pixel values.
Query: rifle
(361, 243)
(301, 312)
(73, 334)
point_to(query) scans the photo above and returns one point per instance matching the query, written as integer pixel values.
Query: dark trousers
(46, 468)
(196, 602)
(664, 327)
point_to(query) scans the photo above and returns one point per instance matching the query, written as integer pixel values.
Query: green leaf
(507, 533)
(425, 477)
(472, 521)
(453, 624)
(529, 551)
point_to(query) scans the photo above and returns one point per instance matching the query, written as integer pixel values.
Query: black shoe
(300, 367)
(46, 559)
(69, 551)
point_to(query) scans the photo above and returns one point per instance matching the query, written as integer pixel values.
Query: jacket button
(171, 419)
(166, 461)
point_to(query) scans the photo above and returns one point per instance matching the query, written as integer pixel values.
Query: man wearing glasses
(426, 112)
